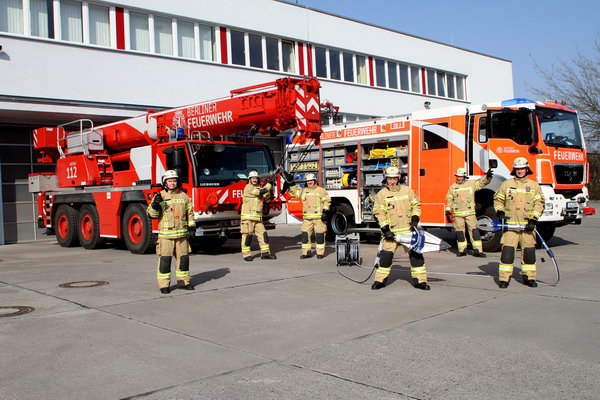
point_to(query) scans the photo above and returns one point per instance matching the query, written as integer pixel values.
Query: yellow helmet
(521, 162)
(392, 172)
(461, 172)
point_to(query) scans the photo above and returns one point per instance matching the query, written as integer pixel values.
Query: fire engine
(429, 145)
(106, 175)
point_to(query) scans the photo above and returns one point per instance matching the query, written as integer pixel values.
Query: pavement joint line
(352, 381)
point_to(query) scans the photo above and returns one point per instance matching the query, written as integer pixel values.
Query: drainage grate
(82, 284)
(22, 310)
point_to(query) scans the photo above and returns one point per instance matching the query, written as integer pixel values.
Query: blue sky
(520, 31)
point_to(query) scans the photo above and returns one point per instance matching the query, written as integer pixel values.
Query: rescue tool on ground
(430, 145)
(105, 175)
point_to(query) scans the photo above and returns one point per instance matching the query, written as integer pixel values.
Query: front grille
(568, 173)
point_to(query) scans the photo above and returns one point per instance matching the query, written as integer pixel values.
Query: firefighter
(251, 222)
(398, 211)
(460, 201)
(315, 209)
(176, 222)
(520, 202)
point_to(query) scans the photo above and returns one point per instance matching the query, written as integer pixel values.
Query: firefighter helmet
(461, 172)
(310, 177)
(392, 172)
(253, 174)
(521, 162)
(169, 174)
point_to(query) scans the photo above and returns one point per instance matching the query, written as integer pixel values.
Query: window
(415, 79)
(163, 35)
(71, 26)
(361, 70)
(451, 86)
(185, 39)
(441, 84)
(288, 57)
(435, 136)
(99, 25)
(38, 12)
(460, 89)
(11, 16)
(348, 67)
(380, 72)
(321, 62)
(483, 130)
(404, 78)
(255, 43)
(272, 53)
(392, 75)
(334, 65)
(139, 34)
(238, 49)
(431, 82)
(207, 42)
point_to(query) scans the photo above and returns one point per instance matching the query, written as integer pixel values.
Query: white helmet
(392, 172)
(253, 174)
(461, 172)
(310, 177)
(169, 174)
(520, 162)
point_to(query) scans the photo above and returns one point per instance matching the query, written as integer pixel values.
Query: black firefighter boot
(379, 285)
(267, 256)
(422, 285)
(503, 284)
(477, 253)
(529, 282)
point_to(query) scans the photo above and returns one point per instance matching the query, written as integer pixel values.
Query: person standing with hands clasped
(460, 201)
(398, 211)
(315, 208)
(520, 202)
(176, 221)
(251, 221)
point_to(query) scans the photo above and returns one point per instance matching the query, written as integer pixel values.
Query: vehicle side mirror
(534, 150)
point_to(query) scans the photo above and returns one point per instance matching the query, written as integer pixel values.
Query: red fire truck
(106, 175)
(429, 146)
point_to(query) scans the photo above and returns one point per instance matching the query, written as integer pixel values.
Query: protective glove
(288, 177)
(192, 230)
(500, 214)
(271, 179)
(530, 227)
(387, 234)
(156, 202)
(414, 221)
(449, 217)
(262, 192)
(489, 173)
(325, 215)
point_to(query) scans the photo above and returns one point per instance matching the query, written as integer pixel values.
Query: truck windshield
(559, 128)
(223, 164)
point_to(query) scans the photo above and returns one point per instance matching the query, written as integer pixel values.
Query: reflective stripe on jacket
(520, 199)
(394, 207)
(175, 216)
(461, 196)
(314, 200)
(252, 206)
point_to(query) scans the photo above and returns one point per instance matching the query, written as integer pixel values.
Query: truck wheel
(489, 240)
(546, 230)
(340, 221)
(207, 244)
(66, 226)
(137, 229)
(89, 227)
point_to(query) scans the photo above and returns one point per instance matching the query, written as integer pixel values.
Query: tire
(490, 241)
(208, 244)
(88, 227)
(136, 228)
(546, 230)
(65, 221)
(341, 220)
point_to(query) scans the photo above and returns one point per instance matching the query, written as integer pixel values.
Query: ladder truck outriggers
(430, 145)
(106, 175)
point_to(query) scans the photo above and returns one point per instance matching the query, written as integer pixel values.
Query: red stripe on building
(224, 59)
(309, 58)
(301, 57)
(371, 75)
(120, 28)
(424, 80)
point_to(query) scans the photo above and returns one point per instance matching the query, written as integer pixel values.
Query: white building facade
(65, 59)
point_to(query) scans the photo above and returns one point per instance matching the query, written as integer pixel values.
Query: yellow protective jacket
(252, 206)
(394, 207)
(176, 216)
(314, 200)
(460, 198)
(520, 199)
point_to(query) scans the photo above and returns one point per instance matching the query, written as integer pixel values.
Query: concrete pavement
(296, 329)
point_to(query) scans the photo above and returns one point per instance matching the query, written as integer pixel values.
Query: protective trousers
(249, 228)
(318, 227)
(510, 241)
(470, 223)
(180, 249)
(417, 262)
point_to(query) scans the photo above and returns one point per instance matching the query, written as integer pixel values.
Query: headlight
(571, 204)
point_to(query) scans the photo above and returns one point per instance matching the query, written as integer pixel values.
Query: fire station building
(62, 60)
